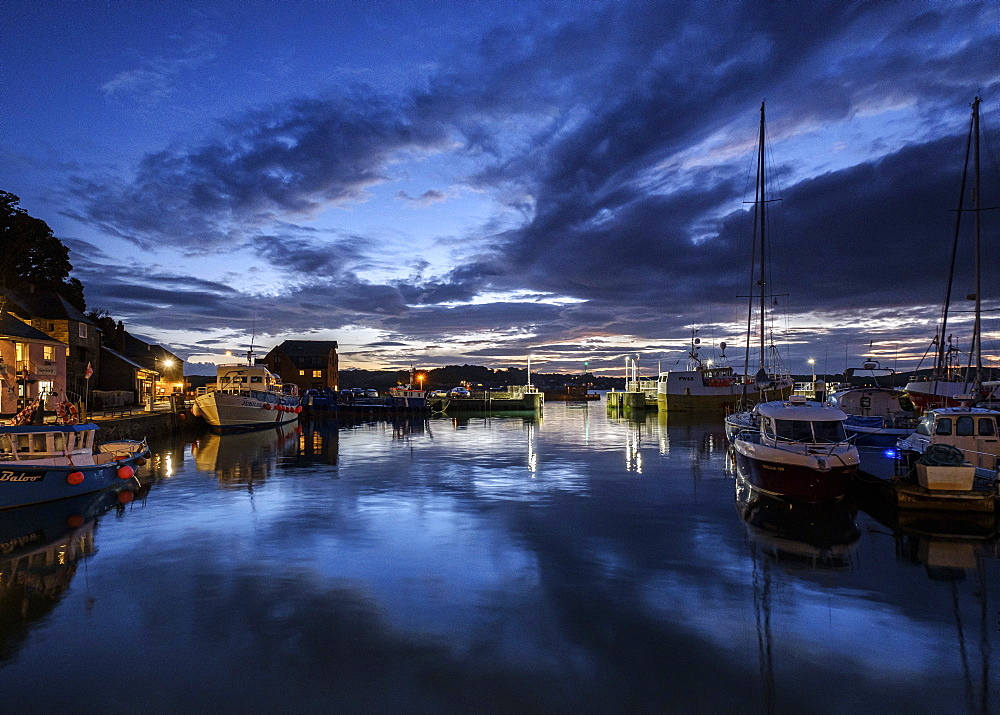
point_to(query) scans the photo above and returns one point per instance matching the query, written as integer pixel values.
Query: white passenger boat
(247, 397)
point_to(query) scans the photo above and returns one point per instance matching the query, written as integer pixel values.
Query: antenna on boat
(253, 337)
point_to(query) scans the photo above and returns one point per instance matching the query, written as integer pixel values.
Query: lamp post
(812, 366)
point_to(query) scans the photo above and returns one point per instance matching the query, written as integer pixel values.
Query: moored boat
(42, 463)
(876, 416)
(704, 387)
(798, 450)
(247, 397)
(975, 431)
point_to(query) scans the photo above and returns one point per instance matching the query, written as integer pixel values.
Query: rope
(942, 455)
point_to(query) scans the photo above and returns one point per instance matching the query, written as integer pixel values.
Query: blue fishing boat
(43, 463)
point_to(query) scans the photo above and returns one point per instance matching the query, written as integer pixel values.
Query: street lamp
(812, 364)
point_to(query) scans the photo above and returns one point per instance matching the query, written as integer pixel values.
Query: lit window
(317, 373)
(302, 373)
(49, 352)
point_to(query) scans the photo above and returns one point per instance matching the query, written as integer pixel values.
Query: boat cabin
(886, 403)
(47, 442)
(245, 379)
(801, 421)
(973, 430)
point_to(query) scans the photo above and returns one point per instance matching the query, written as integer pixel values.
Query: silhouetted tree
(31, 255)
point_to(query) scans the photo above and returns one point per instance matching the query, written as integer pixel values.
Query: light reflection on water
(573, 562)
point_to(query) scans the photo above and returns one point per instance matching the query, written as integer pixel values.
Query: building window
(317, 373)
(83, 330)
(302, 373)
(48, 353)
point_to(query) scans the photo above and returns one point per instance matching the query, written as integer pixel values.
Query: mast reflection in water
(569, 562)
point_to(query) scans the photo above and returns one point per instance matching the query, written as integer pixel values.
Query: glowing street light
(812, 364)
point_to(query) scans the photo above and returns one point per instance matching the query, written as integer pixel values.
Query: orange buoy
(141, 461)
(74, 478)
(267, 406)
(125, 472)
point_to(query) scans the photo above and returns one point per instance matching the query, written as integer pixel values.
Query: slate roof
(47, 305)
(11, 327)
(305, 348)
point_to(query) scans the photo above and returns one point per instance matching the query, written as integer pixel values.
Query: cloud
(429, 197)
(292, 160)
(616, 144)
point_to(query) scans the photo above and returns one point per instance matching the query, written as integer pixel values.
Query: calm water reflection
(574, 563)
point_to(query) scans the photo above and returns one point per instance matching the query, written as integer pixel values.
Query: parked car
(371, 393)
(459, 392)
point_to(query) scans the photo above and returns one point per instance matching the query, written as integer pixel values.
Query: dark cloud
(289, 160)
(583, 127)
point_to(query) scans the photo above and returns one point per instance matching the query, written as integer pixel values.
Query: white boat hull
(229, 411)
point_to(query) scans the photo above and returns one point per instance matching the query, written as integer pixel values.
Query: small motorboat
(42, 463)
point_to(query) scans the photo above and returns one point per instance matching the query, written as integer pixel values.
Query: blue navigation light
(891, 453)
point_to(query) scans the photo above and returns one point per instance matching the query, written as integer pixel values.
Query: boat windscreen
(825, 431)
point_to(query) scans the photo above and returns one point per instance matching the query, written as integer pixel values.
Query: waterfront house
(164, 369)
(53, 315)
(123, 382)
(309, 364)
(32, 365)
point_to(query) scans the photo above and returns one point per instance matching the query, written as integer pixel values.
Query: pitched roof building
(309, 364)
(32, 364)
(59, 319)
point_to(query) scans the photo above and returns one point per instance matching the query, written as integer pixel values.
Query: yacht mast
(761, 201)
(977, 327)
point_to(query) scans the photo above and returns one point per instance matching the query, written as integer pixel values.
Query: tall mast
(761, 201)
(941, 367)
(977, 327)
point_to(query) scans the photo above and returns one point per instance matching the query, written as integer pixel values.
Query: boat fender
(74, 478)
(125, 472)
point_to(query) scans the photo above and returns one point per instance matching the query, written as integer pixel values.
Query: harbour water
(569, 563)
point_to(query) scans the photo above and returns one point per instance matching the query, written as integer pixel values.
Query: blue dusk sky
(437, 183)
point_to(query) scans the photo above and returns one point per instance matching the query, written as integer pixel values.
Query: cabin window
(794, 430)
(256, 378)
(965, 427)
(866, 402)
(769, 427)
(829, 431)
(943, 426)
(987, 427)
